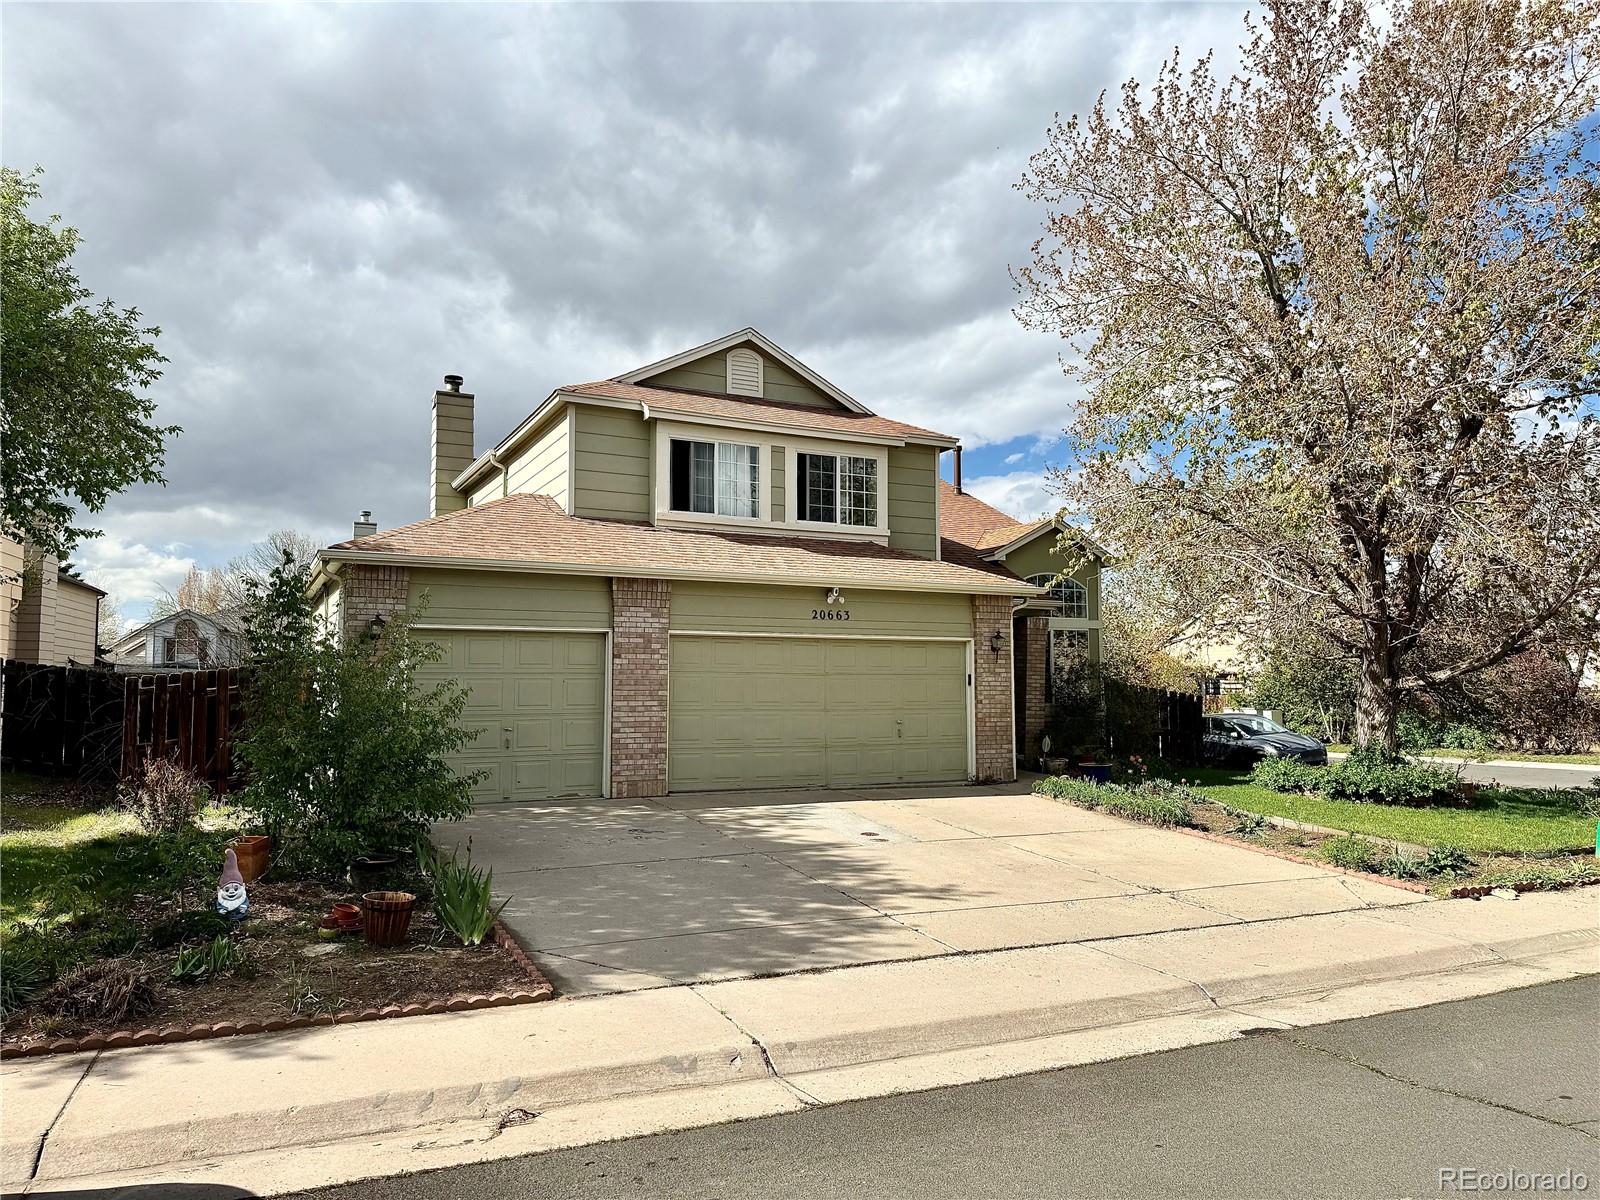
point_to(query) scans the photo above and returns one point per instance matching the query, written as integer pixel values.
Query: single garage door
(538, 704)
(815, 712)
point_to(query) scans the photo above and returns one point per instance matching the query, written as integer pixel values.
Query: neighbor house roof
(662, 401)
(990, 534)
(533, 532)
(229, 620)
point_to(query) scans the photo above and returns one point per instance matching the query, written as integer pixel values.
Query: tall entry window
(715, 477)
(837, 489)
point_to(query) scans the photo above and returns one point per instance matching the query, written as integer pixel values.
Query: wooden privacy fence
(190, 717)
(1180, 725)
(61, 720)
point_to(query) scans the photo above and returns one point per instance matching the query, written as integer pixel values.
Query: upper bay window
(837, 489)
(723, 478)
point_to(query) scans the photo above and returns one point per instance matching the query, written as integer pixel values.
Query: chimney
(452, 445)
(958, 470)
(366, 526)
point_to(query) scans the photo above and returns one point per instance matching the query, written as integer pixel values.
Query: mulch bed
(295, 979)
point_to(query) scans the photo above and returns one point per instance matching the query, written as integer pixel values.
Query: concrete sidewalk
(364, 1100)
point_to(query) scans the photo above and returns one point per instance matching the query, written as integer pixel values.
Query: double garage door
(537, 704)
(815, 712)
(745, 712)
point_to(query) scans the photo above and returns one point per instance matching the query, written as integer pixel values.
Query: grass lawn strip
(1522, 821)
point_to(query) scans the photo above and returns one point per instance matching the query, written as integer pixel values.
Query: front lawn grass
(1580, 760)
(1513, 820)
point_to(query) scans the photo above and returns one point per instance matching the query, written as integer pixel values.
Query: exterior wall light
(997, 642)
(376, 626)
(835, 597)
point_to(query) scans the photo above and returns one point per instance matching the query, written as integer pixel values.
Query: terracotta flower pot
(253, 851)
(347, 915)
(386, 916)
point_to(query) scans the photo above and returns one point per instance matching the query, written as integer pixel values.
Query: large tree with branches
(1335, 319)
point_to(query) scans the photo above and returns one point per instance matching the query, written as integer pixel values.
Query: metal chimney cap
(366, 514)
(453, 382)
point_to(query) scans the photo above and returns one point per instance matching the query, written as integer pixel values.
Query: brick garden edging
(540, 989)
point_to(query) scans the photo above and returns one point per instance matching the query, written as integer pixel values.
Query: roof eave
(992, 585)
(1054, 526)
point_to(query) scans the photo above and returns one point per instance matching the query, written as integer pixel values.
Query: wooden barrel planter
(386, 916)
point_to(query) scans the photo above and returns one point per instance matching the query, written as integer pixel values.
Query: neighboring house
(716, 571)
(47, 614)
(184, 640)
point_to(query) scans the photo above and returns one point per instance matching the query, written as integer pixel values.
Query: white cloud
(1025, 495)
(1013, 459)
(133, 572)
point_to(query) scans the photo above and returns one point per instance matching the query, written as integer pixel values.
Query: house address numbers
(830, 614)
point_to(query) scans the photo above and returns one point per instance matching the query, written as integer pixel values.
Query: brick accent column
(991, 689)
(1035, 710)
(366, 591)
(639, 658)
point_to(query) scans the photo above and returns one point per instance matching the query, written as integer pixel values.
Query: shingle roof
(965, 519)
(536, 530)
(668, 401)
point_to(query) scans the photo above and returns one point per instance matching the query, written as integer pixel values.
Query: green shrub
(25, 971)
(1286, 775)
(1445, 862)
(463, 894)
(346, 751)
(187, 926)
(1353, 853)
(1155, 801)
(1372, 777)
(196, 963)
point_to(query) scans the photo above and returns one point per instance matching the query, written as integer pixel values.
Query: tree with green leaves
(344, 750)
(1336, 321)
(76, 425)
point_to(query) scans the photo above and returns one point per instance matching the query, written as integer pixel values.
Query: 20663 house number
(830, 614)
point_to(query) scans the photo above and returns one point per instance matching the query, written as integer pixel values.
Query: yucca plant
(463, 895)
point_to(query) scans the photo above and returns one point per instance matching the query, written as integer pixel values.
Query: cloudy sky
(326, 209)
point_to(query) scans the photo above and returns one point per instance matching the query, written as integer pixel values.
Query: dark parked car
(1241, 739)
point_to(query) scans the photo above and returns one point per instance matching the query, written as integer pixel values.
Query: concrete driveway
(621, 895)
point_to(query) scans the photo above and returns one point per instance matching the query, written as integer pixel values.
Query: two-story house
(716, 571)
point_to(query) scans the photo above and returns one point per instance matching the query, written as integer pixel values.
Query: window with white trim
(1069, 593)
(837, 489)
(715, 477)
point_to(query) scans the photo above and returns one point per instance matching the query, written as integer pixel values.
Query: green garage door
(815, 712)
(538, 704)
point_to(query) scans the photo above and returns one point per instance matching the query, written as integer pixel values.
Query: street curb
(542, 989)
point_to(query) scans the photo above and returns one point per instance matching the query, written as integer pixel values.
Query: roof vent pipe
(453, 382)
(366, 526)
(958, 470)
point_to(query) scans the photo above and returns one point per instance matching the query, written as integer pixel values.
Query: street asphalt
(1542, 776)
(1376, 1107)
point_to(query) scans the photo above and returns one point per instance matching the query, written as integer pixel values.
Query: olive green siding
(763, 608)
(913, 511)
(491, 488)
(467, 598)
(611, 464)
(815, 712)
(710, 374)
(541, 466)
(780, 503)
(1041, 557)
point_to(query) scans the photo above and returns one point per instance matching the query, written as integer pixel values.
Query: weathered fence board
(60, 720)
(188, 716)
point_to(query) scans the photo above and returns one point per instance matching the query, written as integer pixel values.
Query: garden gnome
(231, 899)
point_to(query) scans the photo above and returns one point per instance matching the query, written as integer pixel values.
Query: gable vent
(744, 372)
